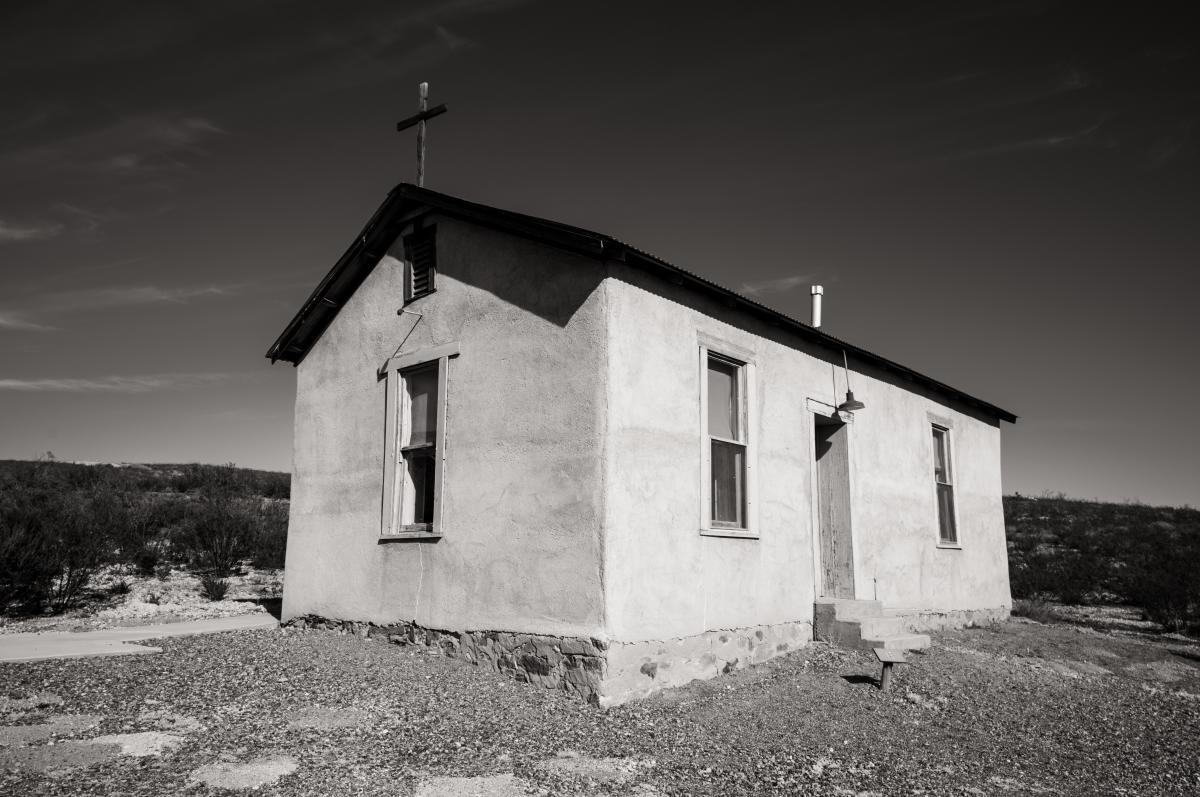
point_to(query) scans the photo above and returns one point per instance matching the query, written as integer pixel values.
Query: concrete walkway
(112, 641)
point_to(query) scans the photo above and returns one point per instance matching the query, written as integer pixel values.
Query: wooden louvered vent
(420, 251)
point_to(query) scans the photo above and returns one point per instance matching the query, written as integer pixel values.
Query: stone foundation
(573, 664)
(602, 673)
(918, 620)
(638, 669)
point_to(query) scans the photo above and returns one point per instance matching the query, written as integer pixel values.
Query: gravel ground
(1015, 709)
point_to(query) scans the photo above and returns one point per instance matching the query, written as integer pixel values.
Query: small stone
(578, 647)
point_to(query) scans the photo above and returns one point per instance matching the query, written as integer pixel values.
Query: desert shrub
(220, 530)
(1076, 574)
(1030, 576)
(135, 527)
(146, 560)
(274, 485)
(213, 587)
(119, 588)
(60, 521)
(230, 480)
(25, 573)
(76, 545)
(1084, 550)
(1035, 609)
(269, 544)
(1165, 585)
(50, 543)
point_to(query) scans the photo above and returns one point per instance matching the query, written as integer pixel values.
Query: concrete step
(862, 625)
(898, 642)
(848, 608)
(881, 627)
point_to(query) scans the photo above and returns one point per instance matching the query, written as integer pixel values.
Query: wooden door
(833, 510)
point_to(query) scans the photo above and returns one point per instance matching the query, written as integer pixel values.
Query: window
(415, 439)
(728, 454)
(418, 447)
(727, 440)
(420, 255)
(944, 485)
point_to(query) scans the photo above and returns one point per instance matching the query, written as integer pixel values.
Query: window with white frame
(418, 449)
(726, 433)
(415, 442)
(943, 479)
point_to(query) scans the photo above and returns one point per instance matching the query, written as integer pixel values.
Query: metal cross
(419, 120)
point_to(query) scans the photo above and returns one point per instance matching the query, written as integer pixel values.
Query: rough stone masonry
(569, 663)
(602, 673)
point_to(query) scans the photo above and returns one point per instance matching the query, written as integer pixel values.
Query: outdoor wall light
(850, 404)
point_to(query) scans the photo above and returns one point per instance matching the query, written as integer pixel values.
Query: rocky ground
(1020, 708)
(119, 597)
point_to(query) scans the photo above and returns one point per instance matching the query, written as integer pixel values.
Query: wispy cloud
(36, 309)
(129, 145)
(18, 323)
(153, 143)
(82, 219)
(113, 384)
(17, 233)
(1169, 145)
(132, 295)
(1051, 141)
(780, 285)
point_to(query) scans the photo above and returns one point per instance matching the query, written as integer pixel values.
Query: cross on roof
(425, 113)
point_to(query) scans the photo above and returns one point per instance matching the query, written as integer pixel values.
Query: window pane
(728, 483)
(722, 399)
(945, 494)
(422, 385)
(418, 487)
(940, 473)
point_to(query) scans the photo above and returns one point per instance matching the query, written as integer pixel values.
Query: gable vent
(420, 252)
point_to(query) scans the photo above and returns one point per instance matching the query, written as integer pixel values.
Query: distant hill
(1080, 551)
(153, 477)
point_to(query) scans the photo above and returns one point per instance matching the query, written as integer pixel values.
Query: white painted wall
(571, 493)
(522, 482)
(665, 580)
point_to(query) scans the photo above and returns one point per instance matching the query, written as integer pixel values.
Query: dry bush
(214, 588)
(1035, 609)
(59, 522)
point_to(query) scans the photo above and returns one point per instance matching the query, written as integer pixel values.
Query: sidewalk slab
(112, 641)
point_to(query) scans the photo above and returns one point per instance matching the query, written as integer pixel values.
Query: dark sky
(1004, 197)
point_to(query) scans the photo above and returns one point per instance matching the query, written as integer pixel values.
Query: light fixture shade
(850, 404)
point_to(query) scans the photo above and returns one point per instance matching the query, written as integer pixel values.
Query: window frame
(935, 426)
(396, 409)
(748, 422)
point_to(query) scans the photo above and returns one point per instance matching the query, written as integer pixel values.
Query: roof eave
(573, 239)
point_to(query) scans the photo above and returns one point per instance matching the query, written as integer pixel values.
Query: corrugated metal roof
(365, 252)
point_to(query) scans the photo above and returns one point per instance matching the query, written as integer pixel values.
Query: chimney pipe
(817, 292)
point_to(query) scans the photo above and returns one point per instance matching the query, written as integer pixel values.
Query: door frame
(816, 407)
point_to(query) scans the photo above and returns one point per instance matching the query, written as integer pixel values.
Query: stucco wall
(895, 511)
(521, 509)
(665, 580)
